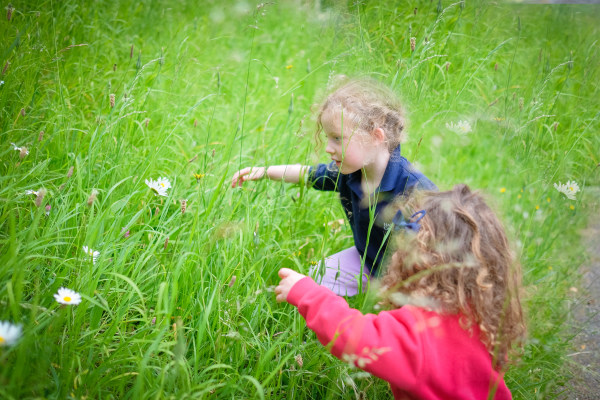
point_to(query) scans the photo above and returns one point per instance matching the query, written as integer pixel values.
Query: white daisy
(461, 127)
(91, 253)
(31, 192)
(15, 147)
(164, 183)
(9, 333)
(67, 296)
(159, 186)
(569, 189)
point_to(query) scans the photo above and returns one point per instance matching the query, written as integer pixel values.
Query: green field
(208, 88)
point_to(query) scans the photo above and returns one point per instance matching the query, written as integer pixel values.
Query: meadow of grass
(180, 304)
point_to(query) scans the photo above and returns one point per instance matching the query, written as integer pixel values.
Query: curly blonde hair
(369, 105)
(460, 261)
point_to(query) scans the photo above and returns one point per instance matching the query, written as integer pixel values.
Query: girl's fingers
(279, 295)
(284, 272)
(238, 177)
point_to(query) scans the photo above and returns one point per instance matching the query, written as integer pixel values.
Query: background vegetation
(180, 305)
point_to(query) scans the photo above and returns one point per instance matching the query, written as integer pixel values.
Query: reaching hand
(289, 278)
(248, 174)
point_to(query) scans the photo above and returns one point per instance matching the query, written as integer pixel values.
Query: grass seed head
(6, 65)
(413, 43)
(183, 206)
(23, 152)
(232, 281)
(41, 136)
(9, 12)
(112, 100)
(40, 197)
(92, 197)
(521, 103)
(70, 173)
(166, 242)
(131, 52)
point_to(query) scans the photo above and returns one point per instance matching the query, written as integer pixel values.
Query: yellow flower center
(162, 184)
(91, 252)
(67, 298)
(571, 188)
(2, 340)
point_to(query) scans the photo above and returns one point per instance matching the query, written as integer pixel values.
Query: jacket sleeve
(325, 177)
(387, 345)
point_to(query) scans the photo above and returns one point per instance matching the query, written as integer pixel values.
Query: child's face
(349, 148)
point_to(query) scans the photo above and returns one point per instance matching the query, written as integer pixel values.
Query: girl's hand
(248, 174)
(288, 280)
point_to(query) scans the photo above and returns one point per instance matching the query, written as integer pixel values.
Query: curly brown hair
(460, 262)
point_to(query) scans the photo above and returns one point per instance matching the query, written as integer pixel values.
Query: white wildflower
(461, 127)
(9, 333)
(20, 149)
(91, 253)
(164, 183)
(32, 192)
(569, 189)
(159, 186)
(67, 296)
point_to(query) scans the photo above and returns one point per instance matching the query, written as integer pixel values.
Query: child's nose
(329, 148)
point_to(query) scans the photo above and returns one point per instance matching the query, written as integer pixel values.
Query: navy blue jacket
(399, 179)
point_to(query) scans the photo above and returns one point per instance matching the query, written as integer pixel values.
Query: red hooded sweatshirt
(422, 354)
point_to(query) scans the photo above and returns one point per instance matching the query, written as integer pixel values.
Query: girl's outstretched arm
(386, 346)
(289, 173)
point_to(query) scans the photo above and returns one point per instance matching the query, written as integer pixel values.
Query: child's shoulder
(403, 176)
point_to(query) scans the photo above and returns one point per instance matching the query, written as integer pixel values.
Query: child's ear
(378, 134)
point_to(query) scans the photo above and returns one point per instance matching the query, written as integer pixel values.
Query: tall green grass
(207, 88)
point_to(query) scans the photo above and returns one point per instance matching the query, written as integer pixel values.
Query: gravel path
(585, 320)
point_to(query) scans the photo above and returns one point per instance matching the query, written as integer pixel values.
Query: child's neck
(373, 173)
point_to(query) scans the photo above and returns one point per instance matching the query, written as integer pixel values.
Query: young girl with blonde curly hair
(364, 123)
(453, 285)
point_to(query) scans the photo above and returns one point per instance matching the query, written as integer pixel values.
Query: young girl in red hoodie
(453, 285)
